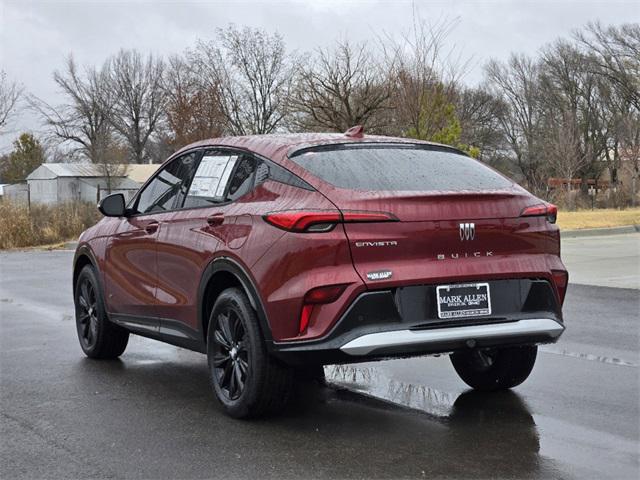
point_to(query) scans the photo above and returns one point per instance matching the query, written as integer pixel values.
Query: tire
(246, 380)
(495, 369)
(312, 373)
(98, 336)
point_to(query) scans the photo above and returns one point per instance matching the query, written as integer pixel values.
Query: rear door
(456, 218)
(188, 238)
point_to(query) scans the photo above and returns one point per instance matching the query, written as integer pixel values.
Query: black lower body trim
(166, 330)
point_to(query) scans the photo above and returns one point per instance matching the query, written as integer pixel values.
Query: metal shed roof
(49, 171)
(53, 170)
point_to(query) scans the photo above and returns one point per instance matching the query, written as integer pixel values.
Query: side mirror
(112, 205)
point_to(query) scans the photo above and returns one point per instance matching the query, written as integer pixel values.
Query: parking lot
(151, 414)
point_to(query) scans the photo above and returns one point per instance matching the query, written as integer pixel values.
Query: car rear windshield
(399, 168)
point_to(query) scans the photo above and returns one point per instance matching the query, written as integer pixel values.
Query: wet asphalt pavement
(151, 414)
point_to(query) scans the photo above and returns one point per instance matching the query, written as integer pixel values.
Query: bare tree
(624, 73)
(630, 150)
(618, 127)
(479, 111)
(573, 112)
(10, 93)
(136, 86)
(574, 93)
(193, 111)
(517, 83)
(81, 125)
(616, 55)
(253, 75)
(563, 151)
(341, 88)
(423, 74)
(82, 121)
(614, 61)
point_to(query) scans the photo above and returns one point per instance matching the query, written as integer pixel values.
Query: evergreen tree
(27, 155)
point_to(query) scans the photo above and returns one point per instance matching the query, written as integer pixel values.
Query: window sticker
(212, 175)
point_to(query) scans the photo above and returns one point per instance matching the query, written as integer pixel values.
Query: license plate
(463, 300)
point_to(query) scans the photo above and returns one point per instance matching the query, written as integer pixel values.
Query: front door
(131, 270)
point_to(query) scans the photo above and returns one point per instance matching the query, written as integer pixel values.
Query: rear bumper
(403, 322)
(542, 329)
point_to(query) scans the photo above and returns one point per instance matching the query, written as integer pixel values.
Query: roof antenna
(355, 132)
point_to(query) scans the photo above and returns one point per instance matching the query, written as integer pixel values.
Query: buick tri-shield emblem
(467, 231)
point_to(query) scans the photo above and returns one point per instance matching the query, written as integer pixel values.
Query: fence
(17, 193)
(20, 194)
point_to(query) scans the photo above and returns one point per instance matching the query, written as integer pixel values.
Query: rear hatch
(451, 218)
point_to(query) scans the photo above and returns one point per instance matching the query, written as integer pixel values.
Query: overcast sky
(36, 36)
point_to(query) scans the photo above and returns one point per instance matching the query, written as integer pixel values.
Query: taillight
(316, 296)
(322, 220)
(300, 221)
(543, 210)
(560, 278)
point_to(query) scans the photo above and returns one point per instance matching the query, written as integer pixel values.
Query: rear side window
(210, 179)
(399, 168)
(243, 179)
(252, 172)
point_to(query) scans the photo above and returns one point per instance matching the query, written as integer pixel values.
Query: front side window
(210, 179)
(167, 189)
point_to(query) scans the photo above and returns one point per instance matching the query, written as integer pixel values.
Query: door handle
(215, 219)
(151, 227)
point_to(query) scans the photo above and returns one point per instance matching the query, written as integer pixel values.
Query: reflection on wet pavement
(500, 426)
(495, 427)
(372, 382)
(588, 356)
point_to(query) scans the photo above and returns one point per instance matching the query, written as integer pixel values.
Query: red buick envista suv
(276, 254)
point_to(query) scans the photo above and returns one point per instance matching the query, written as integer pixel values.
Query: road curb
(593, 232)
(70, 245)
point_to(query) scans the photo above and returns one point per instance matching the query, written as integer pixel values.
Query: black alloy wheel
(231, 354)
(99, 338)
(246, 379)
(87, 314)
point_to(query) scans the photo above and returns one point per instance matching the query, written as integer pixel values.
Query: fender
(85, 250)
(232, 266)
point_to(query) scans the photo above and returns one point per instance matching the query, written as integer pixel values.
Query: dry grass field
(43, 225)
(598, 218)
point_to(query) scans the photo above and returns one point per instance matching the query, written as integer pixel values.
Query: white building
(15, 193)
(52, 183)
